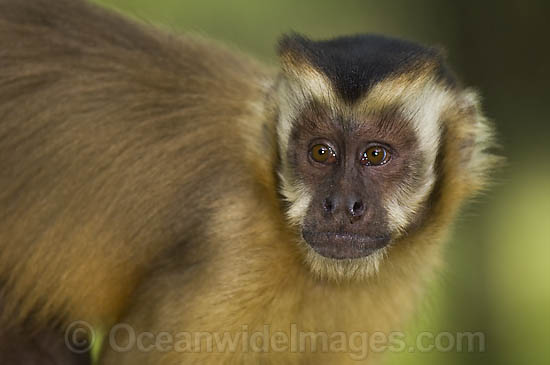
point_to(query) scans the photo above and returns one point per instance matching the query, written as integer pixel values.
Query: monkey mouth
(339, 246)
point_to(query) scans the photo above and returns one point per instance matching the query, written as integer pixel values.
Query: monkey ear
(475, 143)
(293, 43)
(441, 52)
(295, 52)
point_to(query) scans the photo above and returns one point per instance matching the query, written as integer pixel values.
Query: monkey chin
(336, 245)
(344, 269)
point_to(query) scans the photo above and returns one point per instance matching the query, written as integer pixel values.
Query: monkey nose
(350, 207)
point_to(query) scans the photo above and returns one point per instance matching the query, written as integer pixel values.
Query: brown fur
(138, 184)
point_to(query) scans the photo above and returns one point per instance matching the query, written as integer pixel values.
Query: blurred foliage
(498, 274)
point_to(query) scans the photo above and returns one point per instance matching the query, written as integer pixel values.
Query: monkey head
(360, 127)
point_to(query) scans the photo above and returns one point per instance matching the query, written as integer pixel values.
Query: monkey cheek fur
(338, 246)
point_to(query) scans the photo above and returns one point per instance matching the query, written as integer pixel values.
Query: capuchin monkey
(166, 193)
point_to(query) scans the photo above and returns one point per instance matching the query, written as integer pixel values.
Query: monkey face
(361, 127)
(358, 178)
(352, 165)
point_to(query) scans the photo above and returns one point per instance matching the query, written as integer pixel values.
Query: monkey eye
(322, 153)
(375, 156)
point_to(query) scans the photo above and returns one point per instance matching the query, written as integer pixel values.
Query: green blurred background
(498, 275)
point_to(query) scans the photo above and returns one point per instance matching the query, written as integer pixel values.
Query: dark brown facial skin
(346, 217)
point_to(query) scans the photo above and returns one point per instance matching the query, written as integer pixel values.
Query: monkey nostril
(357, 209)
(327, 205)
